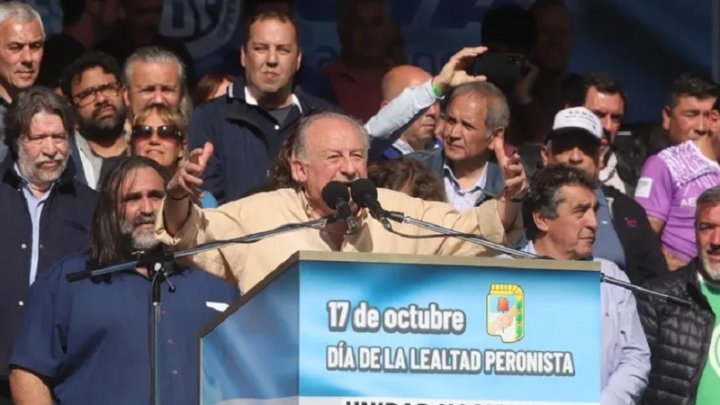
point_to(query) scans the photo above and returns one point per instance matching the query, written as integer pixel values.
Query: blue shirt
(35, 208)
(459, 198)
(92, 338)
(607, 243)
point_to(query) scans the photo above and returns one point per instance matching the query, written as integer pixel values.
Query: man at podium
(327, 147)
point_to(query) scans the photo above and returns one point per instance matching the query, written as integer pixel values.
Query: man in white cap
(624, 235)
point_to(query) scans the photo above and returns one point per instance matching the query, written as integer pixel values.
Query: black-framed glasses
(89, 95)
(166, 132)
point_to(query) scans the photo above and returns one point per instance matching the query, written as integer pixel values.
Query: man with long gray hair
(21, 40)
(87, 342)
(45, 213)
(684, 338)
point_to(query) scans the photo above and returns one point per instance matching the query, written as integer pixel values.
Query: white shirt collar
(250, 100)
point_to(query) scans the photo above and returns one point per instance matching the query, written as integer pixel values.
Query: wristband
(437, 91)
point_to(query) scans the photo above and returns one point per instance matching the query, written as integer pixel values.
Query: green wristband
(437, 91)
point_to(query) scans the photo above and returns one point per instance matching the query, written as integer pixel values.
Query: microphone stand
(156, 260)
(402, 218)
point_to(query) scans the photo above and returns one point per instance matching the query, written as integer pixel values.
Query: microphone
(335, 195)
(364, 193)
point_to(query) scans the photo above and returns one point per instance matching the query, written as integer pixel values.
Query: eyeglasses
(165, 132)
(89, 95)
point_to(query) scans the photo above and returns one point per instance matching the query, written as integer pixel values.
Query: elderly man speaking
(327, 147)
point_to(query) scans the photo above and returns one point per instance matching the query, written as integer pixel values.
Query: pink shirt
(670, 183)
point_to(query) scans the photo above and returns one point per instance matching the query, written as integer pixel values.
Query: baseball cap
(576, 120)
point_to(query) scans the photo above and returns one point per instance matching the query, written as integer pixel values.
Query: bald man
(419, 134)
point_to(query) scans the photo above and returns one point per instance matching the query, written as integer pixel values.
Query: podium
(355, 328)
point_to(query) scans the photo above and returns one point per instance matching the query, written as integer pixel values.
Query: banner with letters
(347, 333)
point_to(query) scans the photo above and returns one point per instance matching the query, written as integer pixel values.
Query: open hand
(454, 72)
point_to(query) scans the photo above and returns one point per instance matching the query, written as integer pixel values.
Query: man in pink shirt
(672, 180)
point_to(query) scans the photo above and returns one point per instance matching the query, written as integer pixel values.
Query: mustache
(96, 110)
(58, 158)
(712, 249)
(144, 219)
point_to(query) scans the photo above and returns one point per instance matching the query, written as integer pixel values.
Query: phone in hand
(498, 67)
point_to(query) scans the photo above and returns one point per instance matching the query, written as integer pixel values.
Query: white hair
(20, 11)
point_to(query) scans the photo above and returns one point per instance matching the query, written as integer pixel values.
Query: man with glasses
(92, 84)
(44, 213)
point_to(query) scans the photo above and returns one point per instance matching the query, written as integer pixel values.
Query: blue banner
(411, 333)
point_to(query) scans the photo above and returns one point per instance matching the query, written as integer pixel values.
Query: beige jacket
(248, 264)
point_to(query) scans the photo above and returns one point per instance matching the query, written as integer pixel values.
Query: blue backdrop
(644, 43)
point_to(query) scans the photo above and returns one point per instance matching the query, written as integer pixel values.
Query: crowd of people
(112, 149)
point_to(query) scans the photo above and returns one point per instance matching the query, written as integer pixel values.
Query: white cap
(578, 118)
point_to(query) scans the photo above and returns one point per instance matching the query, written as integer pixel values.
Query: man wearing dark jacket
(45, 214)
(683, 339)
(476, 117)
(624, 235)
(250, 123)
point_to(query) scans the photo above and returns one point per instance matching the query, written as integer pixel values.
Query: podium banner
(501, 331)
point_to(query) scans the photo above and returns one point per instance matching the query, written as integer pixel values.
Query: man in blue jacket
(249, 125)
(44, 213)
(88, 342)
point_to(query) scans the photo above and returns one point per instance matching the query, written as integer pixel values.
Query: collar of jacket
(239, 110)
(9, 176)
(494, 183)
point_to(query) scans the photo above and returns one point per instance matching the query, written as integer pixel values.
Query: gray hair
(302, 131)
(497, 115)
(27, 105)
(710, 196)
(22, 12)
(154, 54)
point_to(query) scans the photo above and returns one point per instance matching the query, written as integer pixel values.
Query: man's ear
(666, 117)
(126, 96)
(545, 154)
(242, 56)
(298, 170)
(299, 60)
(496, 132)
(541, 222)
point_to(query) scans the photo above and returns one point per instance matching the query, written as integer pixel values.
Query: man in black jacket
(624, 234)
(45, 214)
(248, 125)
(683, 339)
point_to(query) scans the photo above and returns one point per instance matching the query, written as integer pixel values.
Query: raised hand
(188, 178)
(454, 72)
(511, 167)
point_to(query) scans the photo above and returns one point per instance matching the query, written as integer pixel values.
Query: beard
(140, 239)
(34, 171)
(711, 270)
(94, 129)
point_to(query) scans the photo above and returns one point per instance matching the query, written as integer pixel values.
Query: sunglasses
(166, 132)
